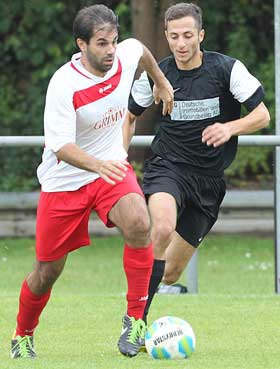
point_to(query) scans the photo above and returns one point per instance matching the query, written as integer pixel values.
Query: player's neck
(193, 63)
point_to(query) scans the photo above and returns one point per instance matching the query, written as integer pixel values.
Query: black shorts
(198, 196)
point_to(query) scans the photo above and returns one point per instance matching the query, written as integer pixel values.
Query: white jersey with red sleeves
(87, 110)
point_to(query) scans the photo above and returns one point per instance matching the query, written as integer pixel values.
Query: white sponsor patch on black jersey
(196, 109)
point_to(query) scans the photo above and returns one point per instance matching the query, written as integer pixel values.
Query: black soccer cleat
(132, 336)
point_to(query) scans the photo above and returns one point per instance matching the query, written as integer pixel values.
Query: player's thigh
(163, 210)
(177, 255)
(62, 223)
(130, 211)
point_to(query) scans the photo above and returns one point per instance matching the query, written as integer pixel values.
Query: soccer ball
(170, 337)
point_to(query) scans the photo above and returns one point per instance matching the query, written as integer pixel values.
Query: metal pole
(192, 274)
(277, 149)
(250, 140)
(22, 140)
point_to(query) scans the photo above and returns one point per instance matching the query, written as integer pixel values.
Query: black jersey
(211, 93)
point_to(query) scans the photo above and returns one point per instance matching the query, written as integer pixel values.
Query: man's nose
(111, 49)
(181, 43)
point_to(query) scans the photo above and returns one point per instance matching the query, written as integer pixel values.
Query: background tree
(35, 39)
(148, 26)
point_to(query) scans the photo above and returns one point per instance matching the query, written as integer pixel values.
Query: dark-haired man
(84, 168)
(183, 181)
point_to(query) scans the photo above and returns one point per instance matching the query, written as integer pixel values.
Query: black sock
(156, 277)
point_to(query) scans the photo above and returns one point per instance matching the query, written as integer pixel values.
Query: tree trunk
(143, 28)
(148, 27)
(162, 49)
(143, 22)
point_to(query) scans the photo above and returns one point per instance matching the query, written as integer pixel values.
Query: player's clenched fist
(216, 134)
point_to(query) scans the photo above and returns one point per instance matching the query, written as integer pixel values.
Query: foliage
(123, 12)
(244, 30)
(251, 168)
(35, 39)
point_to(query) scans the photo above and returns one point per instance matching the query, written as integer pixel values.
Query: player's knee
(161, 233)
(141, 225)
(48, 276)
(138, 229)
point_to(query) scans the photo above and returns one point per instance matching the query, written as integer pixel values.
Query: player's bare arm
(163, 90)
(219, 133)
(110, 170)
(128, 129)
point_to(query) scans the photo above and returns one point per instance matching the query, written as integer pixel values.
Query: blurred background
(36, 38)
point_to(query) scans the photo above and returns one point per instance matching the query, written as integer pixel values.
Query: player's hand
(113, 171)
(165, 94)
(216, 134)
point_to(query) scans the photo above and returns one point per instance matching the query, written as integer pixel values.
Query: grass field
(235, 315)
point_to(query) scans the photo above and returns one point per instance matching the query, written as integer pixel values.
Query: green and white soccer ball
(170, 337)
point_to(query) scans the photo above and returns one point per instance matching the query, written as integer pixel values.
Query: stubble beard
(96, 65)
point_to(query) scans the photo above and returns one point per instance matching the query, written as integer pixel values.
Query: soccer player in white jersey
(183, 181)
(84, 168)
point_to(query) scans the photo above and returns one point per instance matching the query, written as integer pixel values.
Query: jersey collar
(79, 68)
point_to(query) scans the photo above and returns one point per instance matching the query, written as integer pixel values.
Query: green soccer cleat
(23, 347)
(132, 336)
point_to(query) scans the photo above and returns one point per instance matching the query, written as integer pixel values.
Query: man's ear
(201, 35)
(81, 44)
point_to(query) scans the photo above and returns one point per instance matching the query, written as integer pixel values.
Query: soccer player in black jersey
(183, 181)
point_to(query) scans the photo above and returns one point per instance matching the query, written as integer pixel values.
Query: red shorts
(62, 217)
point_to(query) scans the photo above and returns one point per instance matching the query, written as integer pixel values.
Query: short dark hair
(90, 18)
(182, 10)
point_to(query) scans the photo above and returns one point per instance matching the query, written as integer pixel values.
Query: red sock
(138, 267)
(30, 308)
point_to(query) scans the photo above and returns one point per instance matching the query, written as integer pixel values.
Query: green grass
(235, 315)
